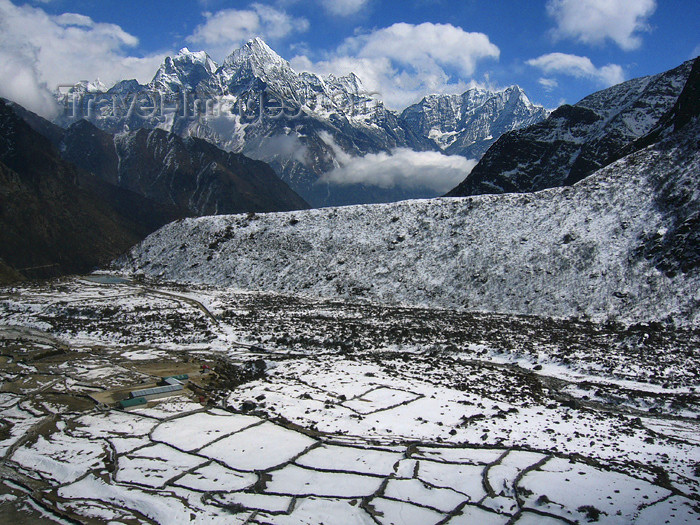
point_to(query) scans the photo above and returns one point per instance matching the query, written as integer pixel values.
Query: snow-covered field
(614, 246)
(365, 413)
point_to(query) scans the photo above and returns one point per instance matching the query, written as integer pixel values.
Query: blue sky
(557, 50)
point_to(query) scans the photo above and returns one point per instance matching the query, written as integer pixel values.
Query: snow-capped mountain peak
(185, 56)
(516, 94)
(350, 83)
(469, 123)
(257, 62)
(90, 86)
(257, 57)
(255, 49)
(184, 72)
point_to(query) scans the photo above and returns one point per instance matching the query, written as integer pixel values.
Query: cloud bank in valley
(401, 167)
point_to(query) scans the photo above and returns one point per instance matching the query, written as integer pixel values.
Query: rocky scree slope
(577, 140)
(609, 246)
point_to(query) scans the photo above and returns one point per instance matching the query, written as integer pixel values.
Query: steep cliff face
(576, 140)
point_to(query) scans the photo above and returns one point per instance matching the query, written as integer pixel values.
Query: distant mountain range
(298, 122)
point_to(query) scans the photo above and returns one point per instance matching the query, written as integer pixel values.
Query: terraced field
(327, 412)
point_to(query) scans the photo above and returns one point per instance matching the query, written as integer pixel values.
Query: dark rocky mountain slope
(190, 174)
(74, 199)
(56, 218)
(577, 140)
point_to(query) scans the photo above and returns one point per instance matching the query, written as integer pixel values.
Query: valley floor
(331, 412)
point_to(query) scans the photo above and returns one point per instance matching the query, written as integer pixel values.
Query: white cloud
(20, 81)
(38, 52)
(594, 21)
(226, 30)
(410, 44)
(74, 19)
(549, 84)
(578, 67)
(404, 62)
(401, 167)
(280, 146)
(344, 7)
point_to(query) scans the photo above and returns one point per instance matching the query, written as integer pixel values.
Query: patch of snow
(258, 448)
(198, 430)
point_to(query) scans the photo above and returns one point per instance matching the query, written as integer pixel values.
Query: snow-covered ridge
(561, 252)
